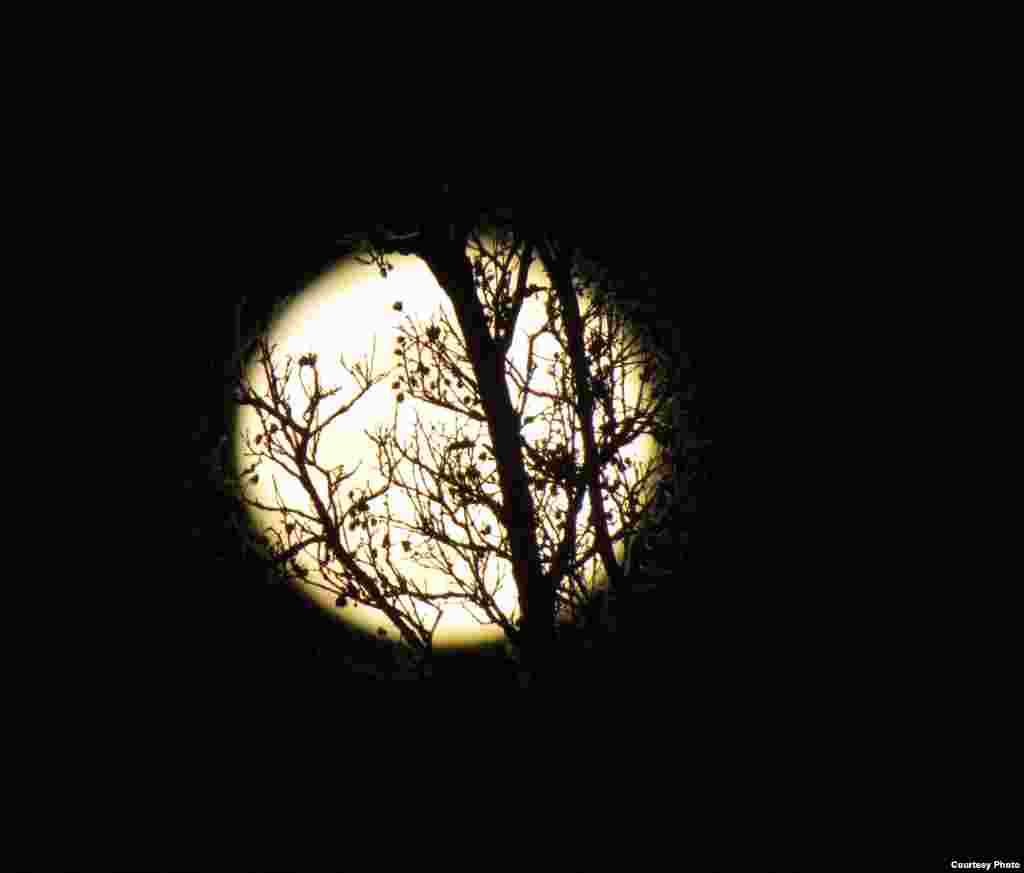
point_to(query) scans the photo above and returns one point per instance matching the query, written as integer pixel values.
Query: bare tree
(488, 492)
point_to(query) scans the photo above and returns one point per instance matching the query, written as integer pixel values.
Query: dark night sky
(744, 642)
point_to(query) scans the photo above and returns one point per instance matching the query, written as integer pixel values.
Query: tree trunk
(446, 257)
(558, 264)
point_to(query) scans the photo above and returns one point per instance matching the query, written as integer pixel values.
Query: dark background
(763, 645)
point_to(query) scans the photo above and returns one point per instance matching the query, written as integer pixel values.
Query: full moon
(352, 316)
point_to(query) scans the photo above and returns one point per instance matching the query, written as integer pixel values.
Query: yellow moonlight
(349, 313)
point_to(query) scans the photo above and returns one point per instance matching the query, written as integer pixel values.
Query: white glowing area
(350, 312)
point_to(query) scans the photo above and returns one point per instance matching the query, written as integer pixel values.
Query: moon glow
(349, 312)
